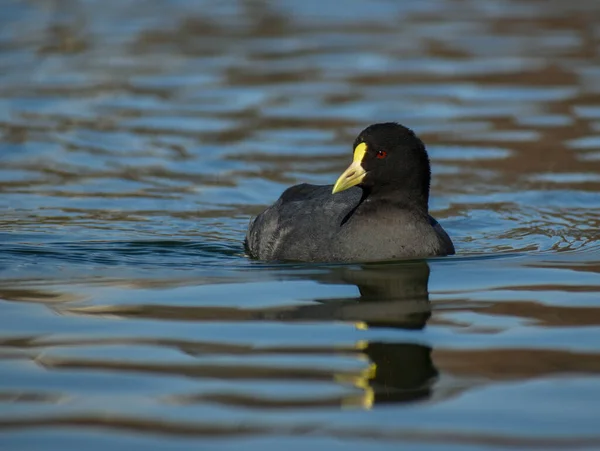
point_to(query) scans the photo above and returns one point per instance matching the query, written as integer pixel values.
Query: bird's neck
(412, 199)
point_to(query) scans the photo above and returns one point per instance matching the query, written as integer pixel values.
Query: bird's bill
(350, 177)
(355, 172)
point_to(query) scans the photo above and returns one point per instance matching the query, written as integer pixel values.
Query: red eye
(381, 154)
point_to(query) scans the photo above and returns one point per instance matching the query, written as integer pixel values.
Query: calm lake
(137, 138)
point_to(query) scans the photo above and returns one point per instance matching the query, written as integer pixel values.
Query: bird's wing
(443, 236)
(305, 216)
(304, 191)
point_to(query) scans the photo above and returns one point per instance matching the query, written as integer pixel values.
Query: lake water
(137, 138)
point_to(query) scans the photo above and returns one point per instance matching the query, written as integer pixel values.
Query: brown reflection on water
(516, 364)
(390, 296)
(210, 430)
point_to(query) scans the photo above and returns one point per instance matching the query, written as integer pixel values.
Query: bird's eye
(381, 154)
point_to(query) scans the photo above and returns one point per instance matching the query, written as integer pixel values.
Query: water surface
(138, 137)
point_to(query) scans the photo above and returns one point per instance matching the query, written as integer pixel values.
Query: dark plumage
(379, 210)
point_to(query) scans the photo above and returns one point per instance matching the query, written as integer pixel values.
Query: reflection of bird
(377, 209)
(393, 296)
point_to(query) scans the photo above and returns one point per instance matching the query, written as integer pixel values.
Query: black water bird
(378, 209)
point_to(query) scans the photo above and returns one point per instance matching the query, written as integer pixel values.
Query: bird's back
(302, 224)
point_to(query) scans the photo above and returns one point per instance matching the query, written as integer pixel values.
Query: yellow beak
(355, 172)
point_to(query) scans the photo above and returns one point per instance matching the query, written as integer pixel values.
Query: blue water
(137, 138)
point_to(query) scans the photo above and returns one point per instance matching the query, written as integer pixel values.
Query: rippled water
(138, 137)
